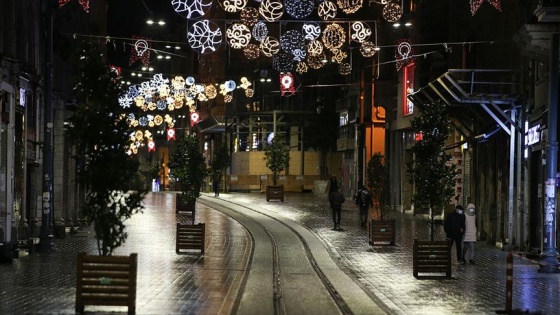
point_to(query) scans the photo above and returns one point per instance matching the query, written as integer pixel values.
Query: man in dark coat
(336, 199)
(454, 227)
(364, 202)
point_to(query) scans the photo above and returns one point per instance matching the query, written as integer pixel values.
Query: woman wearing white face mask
(470, 234)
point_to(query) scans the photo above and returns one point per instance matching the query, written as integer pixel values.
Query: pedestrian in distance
(216, 184)
(454, 226)
(364, 201)
(469, 239)
(336, 199)
(332, 185)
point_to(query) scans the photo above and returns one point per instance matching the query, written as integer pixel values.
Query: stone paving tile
(387, 271)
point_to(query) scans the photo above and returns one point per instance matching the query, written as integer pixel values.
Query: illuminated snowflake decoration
(233, 6)
(238, 35)
(360, 32)
(311, 30)
(392, 12)
(260, 31)
(251, 51)
(349, 6)
(249, 16)
(367, 49)
(204, 36)
(291, 40)
(333, 36)
(191, 8)
(316, 62)
(125, 101)
(299, 9)
(301, 67)
(282, 62)
(270, 46)
(271, 10)
(315, 48)
(327, 10)
(143, 121)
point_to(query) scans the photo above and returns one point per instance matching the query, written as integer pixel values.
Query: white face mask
(460, 211)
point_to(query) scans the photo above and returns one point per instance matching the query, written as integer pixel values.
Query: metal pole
(548, 263)
(511, 179)
(46, 235)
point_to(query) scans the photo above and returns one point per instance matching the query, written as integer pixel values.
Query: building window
(408, 87)
(343, 118)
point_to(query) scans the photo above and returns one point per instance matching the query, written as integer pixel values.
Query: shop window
(408, 87)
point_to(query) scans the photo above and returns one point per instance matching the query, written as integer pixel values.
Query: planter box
(382, 232)
(431, 257)
(275, 192)
(190, 236)
(106, 280)
(189, 209)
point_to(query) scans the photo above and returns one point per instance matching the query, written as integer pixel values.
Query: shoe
(472, 262)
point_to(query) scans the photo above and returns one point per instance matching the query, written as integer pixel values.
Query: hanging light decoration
(344, 68)
(360, 32)
(191, 8)
(301, 67)
(204, 36)
(249, 92)
(299, 54)
(315, 48)
(403, 53)
(249, 16)
(270, 46)
(367, 49)
(333, 36)
(228, 98)
(316, 62)
(338, 55)
(211, 91)
(251, 51)
(282, 62)
(392, 12)
(233, 6)
(291, 40)
(271, 10)
(299, 9)
(260, 31)
(287, 84)
(327, 10)
(349, 6)
(238, 35)
(311, 30)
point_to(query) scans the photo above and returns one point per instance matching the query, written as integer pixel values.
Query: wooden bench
(190, 236)
(382, 232)
(106, 280)
(431, 257)
(188, 209)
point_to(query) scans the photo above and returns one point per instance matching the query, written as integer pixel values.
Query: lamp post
(548, 262)
(46, 235)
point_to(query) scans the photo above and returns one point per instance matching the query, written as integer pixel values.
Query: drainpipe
(548, 262)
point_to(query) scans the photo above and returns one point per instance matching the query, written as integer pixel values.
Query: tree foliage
(431, 170)
(276, 158)
(188, 166)
(100, 137)
(378, 180)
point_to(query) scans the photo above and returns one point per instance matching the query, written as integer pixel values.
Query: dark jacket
(363, 199)
(454, 225)
(336, 199)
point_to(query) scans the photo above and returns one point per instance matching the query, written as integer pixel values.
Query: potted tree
(276, 159)
(381, 229)
(107, 174)
(188, 166)
(432, 174)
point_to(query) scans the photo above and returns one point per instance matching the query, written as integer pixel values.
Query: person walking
(336, 199)
(454, 226)
(470, 234)
(216, 183)
(364, 201)
(332, 185)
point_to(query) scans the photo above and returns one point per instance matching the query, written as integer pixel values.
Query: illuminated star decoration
(140, 50)
(83, 3)
(475, 4)
(287, 84)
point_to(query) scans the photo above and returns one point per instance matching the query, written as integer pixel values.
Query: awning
(213, 124)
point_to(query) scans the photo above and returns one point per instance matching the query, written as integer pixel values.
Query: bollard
(509, 281)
